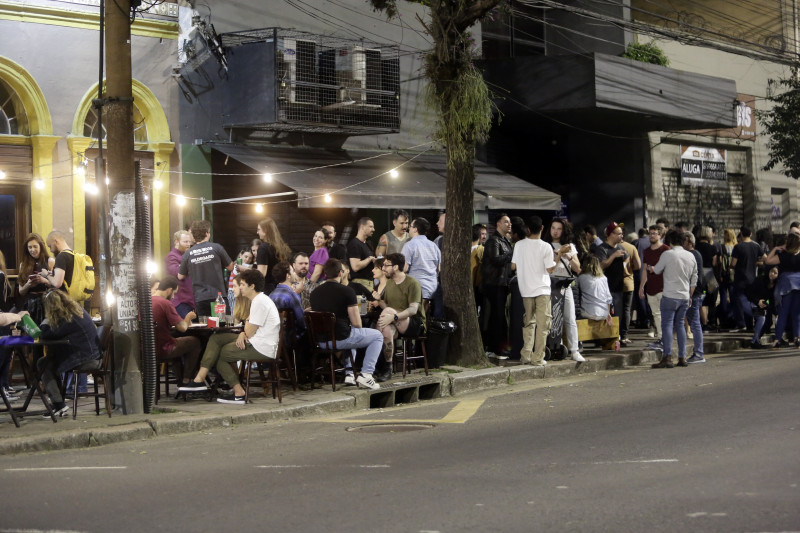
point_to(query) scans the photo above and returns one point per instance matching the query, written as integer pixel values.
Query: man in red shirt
(185, 349)
(653, 284)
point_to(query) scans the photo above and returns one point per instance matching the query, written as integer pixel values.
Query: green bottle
(30, 327)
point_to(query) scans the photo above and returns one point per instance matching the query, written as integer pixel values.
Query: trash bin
(440, 331)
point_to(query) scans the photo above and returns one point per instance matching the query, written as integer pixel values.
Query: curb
(413, 389)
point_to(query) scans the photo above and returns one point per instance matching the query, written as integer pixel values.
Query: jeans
(673, 311)
(622, 308)
(693, 316)
(497, 335)
(724, 311)
(788, 314)
(371, 339)
(537, 318)
(743, 309)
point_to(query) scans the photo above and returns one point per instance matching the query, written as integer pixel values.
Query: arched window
(13, 120)
(139, 126)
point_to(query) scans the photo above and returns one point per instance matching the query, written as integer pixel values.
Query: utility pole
(118, 112)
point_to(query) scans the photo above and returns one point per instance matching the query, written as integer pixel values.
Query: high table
(36, 386)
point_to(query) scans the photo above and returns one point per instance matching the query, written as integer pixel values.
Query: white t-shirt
(264, 314)
(533, 257)
(561, 268)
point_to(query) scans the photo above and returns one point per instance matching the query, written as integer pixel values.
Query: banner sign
(702, 166)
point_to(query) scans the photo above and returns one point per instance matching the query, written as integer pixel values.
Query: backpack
(81, 286)
(724, 274)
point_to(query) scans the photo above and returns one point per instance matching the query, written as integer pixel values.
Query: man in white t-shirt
(533, 261)
(258, 341)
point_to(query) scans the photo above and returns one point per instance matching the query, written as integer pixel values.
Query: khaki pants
(537, 318)
(655, 307)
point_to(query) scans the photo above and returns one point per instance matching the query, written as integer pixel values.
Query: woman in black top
(709, 252)
(36, 263)
(788, 259)
(66, 319)
(271, 251)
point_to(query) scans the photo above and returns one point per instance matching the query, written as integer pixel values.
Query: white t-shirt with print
(264, 314)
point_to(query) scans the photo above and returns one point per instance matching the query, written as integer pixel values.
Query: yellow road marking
(463, 411)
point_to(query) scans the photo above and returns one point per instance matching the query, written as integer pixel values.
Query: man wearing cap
(614, 261)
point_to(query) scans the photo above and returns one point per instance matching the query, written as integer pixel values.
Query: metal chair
(321, 329)
(100, 373)
(418, 342)
(284, 356)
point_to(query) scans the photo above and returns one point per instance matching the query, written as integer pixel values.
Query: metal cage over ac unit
(289, 80)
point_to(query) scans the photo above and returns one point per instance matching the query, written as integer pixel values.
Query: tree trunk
(466, 346)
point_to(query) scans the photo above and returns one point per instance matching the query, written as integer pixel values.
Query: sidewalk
(173, 416)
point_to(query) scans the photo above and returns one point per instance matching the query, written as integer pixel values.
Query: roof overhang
(362, 179)
(615, 93)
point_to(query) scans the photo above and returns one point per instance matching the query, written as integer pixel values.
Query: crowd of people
(671, 281)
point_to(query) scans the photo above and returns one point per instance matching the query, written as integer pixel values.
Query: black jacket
(496, 265)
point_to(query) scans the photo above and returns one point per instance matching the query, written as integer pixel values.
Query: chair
(101, 372)
(163, 376)
(321, 328)
(406, 343)
(284, 355)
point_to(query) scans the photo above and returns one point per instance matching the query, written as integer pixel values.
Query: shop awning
(361, 179)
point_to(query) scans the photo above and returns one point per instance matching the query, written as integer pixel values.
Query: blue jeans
(788, 311)
(743, 309)
(693, 316)
(371, 339)
(673, 311)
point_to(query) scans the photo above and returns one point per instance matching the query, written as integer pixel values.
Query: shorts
(415, 327)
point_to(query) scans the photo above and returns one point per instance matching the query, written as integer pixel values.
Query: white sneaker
(651, 333)
(350, 379)
(367, 381)
(576, 356)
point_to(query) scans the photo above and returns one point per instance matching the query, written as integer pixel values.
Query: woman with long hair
(66, 319)
(241, 312)
(36, 262)
(595, 295)
(787, 258)
(271, 251)
(558, 234)
(317, 259)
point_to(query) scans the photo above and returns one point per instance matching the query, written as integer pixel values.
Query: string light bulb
(259, 208)
(328, 198)
(157, 184)
(150, 267)
(180, 200)
(267, 177)
(2, 175)
(108, 181)
(80, 171)
(394, 173)
(110, 298)
(39, 184)
(91, 188)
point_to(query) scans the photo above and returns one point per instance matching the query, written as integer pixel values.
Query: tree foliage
(782, 124)
(461, 100)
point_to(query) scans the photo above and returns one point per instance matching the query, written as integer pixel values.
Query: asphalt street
(712, 447)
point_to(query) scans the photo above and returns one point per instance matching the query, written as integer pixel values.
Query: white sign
(703, 166)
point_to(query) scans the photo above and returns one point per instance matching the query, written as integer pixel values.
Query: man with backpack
(77, 282)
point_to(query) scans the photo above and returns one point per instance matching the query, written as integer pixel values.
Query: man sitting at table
(185, 349)
(403, 314)
(335, 297)
(258, 341)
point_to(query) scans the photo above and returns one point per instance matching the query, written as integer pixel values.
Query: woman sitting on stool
(66, 319)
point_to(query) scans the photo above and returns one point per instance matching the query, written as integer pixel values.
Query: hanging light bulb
(80, 171)
(267, 177)
(157, 184)
(91, 188)
(2, 175)
(259, 208)
(328, 198)
(180, 200)
(110, 298)
(108, 181)
(39, 184)
(394, 173)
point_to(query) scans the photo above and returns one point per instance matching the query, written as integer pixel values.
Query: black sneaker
(232, 398)
(192, 386)
(384, 375)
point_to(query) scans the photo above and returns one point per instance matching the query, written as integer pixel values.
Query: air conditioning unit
(357, 70)
(298, 70)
